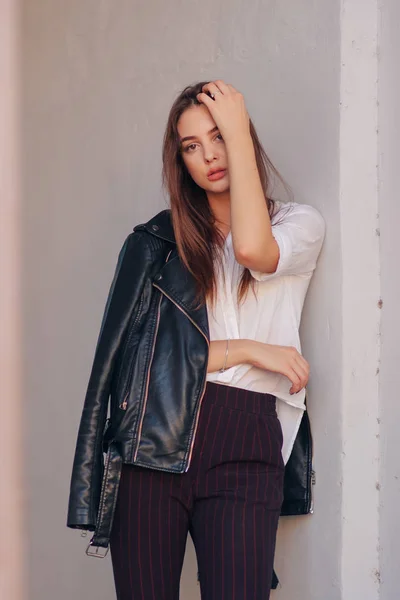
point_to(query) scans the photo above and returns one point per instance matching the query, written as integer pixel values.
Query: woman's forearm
(269, 357)
(239, 352)
(250, 221)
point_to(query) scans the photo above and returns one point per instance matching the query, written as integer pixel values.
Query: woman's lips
(217, 175)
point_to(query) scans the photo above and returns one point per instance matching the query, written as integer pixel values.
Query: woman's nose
(209, 155)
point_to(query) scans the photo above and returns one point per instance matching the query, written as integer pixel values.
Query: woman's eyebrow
(193, 137)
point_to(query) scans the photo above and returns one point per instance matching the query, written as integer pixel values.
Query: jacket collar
(160, 226)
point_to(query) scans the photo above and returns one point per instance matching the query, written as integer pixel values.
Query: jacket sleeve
(87, 471)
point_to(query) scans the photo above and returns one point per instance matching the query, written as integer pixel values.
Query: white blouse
(273, 318)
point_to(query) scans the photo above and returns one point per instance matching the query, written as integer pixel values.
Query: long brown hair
(199, 243)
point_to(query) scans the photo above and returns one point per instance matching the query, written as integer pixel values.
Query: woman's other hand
(285, 360)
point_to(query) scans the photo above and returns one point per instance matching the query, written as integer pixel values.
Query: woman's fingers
(299, 371)
(304, 363)
(295, 379)
(296, 357)
(212, 88)
(222, 86)
(205, 99)
(218, 87)
(302, 369)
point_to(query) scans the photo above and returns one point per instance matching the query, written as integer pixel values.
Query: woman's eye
(220, 136)
(190, 147)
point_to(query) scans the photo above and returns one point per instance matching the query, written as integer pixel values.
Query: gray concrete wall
(99, 78)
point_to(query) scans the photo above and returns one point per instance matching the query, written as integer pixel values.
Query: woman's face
(203, 149)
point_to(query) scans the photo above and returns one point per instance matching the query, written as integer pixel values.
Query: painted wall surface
(389, 213)
(99, 78)
(12, 425)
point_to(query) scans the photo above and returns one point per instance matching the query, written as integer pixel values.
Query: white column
(389, 152)
(12, 579)
(359, 247)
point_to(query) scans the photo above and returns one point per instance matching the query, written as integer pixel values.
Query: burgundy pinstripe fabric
(229, 501)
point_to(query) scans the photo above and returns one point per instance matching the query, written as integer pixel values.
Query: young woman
(199, 355)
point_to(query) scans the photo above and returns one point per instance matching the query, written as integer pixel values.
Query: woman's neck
(220, 205)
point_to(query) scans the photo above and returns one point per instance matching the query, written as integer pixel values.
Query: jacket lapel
(174, 280)
(179, 285)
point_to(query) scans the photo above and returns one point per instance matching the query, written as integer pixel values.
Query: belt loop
(108, 500)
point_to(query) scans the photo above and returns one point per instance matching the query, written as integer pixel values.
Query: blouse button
(155, 227)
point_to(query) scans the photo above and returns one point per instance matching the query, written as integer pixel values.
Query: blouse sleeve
(299, 231)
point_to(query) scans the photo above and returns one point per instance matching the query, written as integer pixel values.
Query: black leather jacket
(149, 372)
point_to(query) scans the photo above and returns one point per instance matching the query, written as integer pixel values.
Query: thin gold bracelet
(226, 356)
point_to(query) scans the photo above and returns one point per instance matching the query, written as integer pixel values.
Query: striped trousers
(229, 501)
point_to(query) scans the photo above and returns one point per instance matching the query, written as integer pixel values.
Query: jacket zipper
(124, 403)
(204, 383)
(147, 381)
(148, 375)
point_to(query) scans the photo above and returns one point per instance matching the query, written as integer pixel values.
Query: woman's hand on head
(285, 360)
(227, 108)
